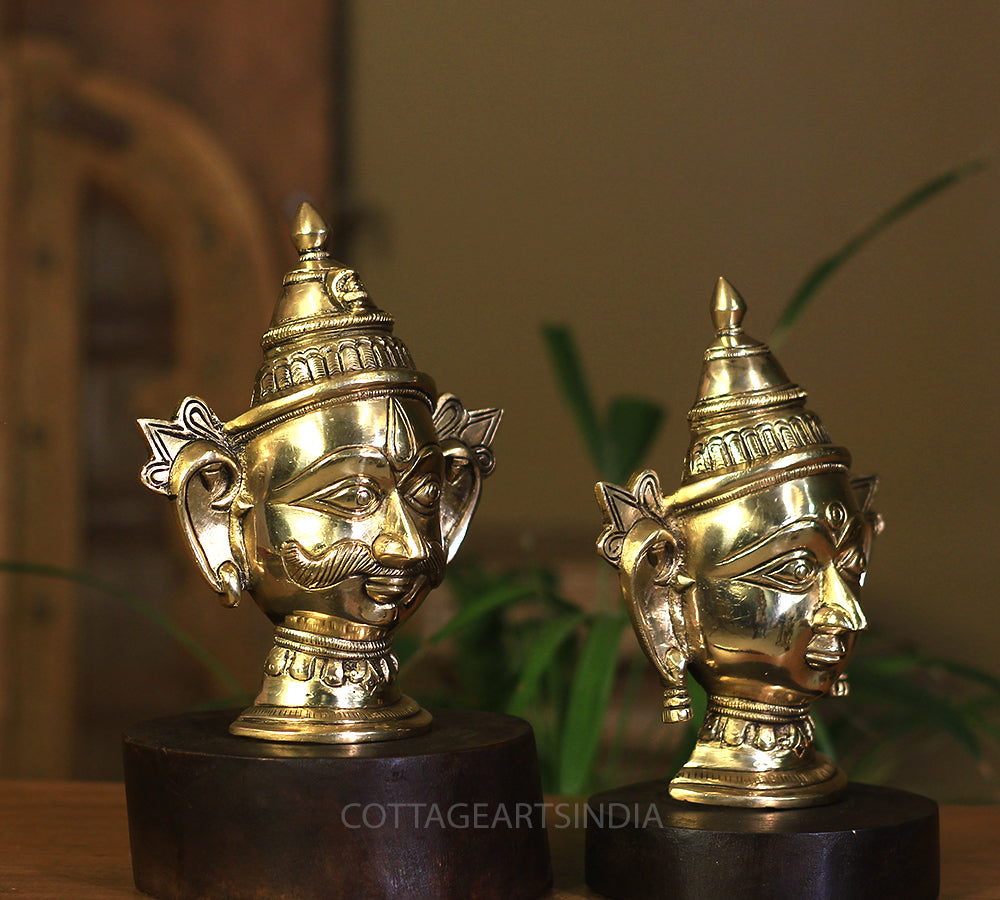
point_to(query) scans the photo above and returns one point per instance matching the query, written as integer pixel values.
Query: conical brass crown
(320, 295)
(747, 414)
(326, 337)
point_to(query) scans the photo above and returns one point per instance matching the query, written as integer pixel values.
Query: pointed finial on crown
(309, 231)
(727, 308)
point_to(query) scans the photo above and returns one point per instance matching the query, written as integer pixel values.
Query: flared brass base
(324, 725)
(330, 682)
(757, 755)
(817, 782)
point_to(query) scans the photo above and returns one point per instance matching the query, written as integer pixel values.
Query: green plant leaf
(572, 382)
(824, 740)
(880, 761)
(407, 648)
(140, 605)
(637, 666)
(990, 729)
(632, 426)
(917, 705)
(887, 664)
(826, 268)
(588, 701)
(961, 670)
(546, 586)
(539, 652)
(497, 598)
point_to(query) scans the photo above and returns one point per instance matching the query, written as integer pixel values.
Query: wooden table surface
(69, 840)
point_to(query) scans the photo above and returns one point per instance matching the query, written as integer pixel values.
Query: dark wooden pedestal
(454, 813)
(874, 843)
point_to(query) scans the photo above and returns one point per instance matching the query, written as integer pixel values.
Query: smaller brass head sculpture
(750, 575)
(335, 501)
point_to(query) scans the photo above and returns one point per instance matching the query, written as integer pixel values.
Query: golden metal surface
(749, 575)
(336, 501)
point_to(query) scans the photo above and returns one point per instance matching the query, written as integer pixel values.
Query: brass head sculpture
(749, 575)
(335, 501)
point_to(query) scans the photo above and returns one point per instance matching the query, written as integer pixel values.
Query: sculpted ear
(638, 540)
(194, 465)
(204, 481)
(864, 491)
(651, 584)
(466, 438)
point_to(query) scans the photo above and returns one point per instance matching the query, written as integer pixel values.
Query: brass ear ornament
(748, 576)
(335, 501)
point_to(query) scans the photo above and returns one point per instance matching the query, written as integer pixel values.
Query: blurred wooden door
(94, 332)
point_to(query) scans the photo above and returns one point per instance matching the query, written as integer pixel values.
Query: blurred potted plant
(558, 662)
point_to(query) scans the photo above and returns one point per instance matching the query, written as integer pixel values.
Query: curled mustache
(348, 558)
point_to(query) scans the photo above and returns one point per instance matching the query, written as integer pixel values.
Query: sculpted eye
(350, 496)
(425, 494)
(794, 573)
(853, 564)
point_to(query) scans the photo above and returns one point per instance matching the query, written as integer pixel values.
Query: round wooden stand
(876, 843)
(454, 813)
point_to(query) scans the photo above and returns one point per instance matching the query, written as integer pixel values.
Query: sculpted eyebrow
(364, 450)
(851, 532)
(422, 455)
(798, 524)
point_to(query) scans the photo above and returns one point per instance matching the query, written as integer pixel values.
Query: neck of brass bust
(334, 627)
(340, 664)
(747, 726)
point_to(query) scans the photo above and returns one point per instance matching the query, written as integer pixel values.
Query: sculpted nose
(840, 610)
(400, 543)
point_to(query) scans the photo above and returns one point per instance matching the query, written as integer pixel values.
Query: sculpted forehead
(722, 532)
(396, 426)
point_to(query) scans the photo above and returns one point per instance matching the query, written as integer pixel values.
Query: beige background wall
(602, 163)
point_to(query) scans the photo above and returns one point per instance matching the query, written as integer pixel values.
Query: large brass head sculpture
(749, 575)
(335, 501)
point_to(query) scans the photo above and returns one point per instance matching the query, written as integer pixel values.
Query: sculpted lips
(825, 649)
(399, 590)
